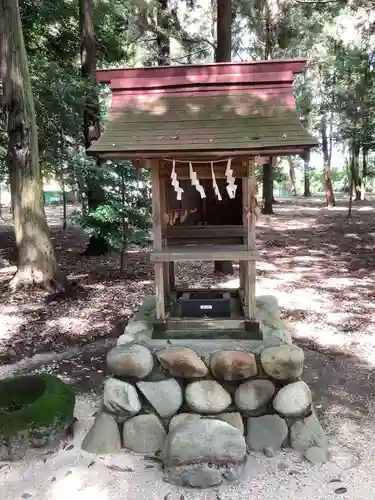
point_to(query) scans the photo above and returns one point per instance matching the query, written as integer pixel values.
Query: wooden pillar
(163, 210)
(157, 217)
(249, 220)
(172, 279)
(242, 272)
(169, 278)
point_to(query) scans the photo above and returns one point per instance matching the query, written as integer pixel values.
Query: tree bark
(267, 187)
(223, 53)
(224, 18)
(330, 198)
(162, 39)
(306, 179)
(1, 207)
(91, 116)
(350, 204)
(37, 265)
(354, 168)
(364, 172)
(292, 177)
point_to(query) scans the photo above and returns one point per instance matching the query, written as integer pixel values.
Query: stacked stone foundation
(201, 401)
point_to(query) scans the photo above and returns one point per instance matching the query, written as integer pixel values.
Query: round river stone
(144, 434)
(120, 398)
(254, 394)
(269, 431)
(204, 440)
(165, 396)
(130, 361)
(282, 362)
(207, 396)
(233, 365)
(182, 362)
(293, 399)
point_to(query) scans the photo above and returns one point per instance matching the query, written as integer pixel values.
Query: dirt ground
(319, 265)
(322, 270)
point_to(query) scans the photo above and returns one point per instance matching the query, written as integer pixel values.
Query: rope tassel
(231, 186)
(195, 182)
(175, 183)
(214, 183)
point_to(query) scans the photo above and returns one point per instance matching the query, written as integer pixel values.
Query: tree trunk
(292, 177)
(364, 172)
(267, 187)
(74, 195)
(306, 180)
(350, 182)
(91, 116)
(330, 198)
(224, 31)
(354, 168)
(223, 53)
(162, 39)
(65, 213)
(1, 206)
(37, 263)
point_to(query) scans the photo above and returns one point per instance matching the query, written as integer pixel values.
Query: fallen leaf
(340, 491)
(117, 468)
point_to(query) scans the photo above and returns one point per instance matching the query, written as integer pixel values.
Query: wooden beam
(157, 214)
(203, 252)
(203, 170)
(204, 324)
(218, 231)
(211, 154)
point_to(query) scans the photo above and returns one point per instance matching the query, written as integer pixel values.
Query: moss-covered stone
(34, 407)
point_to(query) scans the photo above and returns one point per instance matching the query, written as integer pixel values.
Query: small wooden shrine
(201, 130)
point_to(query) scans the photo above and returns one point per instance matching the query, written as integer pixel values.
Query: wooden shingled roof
(204, 110)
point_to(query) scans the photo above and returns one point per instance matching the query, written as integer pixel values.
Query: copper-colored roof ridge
(205, 65)
(277, 65)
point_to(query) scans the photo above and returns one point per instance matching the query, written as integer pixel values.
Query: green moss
(35, 405)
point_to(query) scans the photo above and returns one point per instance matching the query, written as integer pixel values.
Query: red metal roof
(214, 109)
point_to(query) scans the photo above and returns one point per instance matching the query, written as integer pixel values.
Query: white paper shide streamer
(231, 186)
(214, 183)
(195, 182)
(175, 183)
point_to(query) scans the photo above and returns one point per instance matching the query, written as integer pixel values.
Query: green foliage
(38, 404)
(339, 180)
(124, 217)
(338, 89)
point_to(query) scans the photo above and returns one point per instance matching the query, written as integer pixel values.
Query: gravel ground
(71, 473)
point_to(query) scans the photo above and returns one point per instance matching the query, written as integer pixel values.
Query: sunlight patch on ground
(8, 323)
(68, 324)
(231, 283)
(307, 258)
(338, 317)
(74, 487)
(8, 269)
(337, 283)
(352, 235)
(262, 265)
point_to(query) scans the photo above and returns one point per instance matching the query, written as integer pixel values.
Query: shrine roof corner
(238, 108)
